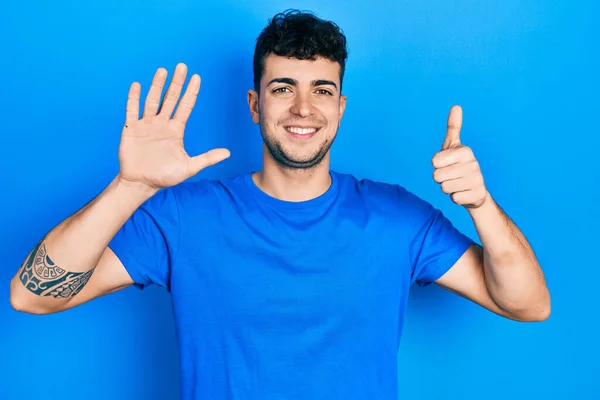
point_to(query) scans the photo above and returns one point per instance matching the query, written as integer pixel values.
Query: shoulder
(391, 197)
(206, 191)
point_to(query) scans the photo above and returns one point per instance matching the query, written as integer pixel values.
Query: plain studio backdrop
(525, 73)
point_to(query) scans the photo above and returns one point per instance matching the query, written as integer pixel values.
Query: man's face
(299, 109)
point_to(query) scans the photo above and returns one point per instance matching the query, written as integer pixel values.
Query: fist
(456, 169)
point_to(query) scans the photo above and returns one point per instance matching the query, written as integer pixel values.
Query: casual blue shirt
(278, 300)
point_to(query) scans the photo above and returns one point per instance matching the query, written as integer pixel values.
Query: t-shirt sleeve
(436, 245)
(147, 243)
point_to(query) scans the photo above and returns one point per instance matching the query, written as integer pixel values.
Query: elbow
(545, 310)
(537, 311)
(17, 304)
(21, 306)
(15, 301)
(544, 316)
(539, 315)
(18, 300)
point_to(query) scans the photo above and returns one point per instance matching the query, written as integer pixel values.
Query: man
(290, 282)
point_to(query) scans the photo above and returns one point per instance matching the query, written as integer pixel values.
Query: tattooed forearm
(44, 278)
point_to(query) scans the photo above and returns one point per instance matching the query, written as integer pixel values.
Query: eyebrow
(293, 82)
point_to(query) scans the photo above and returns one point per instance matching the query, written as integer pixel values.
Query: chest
(284, 275)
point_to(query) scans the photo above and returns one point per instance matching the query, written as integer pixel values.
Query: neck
(293, 184)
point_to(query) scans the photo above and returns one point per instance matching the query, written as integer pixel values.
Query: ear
(342, 105)
(253, 105)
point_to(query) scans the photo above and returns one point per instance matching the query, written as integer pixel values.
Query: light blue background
(526, 74)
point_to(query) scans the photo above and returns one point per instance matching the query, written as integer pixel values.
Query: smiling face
(299, 109)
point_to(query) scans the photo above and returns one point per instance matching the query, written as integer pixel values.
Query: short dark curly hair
(299, 34)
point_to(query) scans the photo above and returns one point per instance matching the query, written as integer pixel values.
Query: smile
(301, 131)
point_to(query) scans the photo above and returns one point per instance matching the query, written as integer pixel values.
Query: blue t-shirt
(277, 300)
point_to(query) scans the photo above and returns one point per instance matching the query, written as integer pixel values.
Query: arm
(72, 263)
(504, 275)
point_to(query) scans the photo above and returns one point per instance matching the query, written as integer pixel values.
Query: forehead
(300, 70)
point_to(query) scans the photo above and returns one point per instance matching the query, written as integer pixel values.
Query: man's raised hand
(456, 168)
(151, 152)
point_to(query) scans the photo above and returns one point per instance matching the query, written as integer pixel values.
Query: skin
(72, 263)
(301, 93)
(502, 275)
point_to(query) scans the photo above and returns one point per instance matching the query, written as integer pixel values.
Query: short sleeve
(147, 243)
(435, 247)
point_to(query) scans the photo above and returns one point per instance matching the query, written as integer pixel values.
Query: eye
(323, 91)
(281, 90)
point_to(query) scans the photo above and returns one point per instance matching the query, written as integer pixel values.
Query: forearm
(64, 260)
(512, 273)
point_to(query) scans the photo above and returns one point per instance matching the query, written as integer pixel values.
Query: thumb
(453, 132)
(207, 159)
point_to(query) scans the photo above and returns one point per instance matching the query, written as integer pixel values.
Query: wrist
(136, 190)
(484, 207)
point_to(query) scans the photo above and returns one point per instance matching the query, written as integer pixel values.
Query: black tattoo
(43, 277)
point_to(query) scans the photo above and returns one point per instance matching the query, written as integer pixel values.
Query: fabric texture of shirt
(278, 300)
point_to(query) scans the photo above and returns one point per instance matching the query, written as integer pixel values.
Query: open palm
(151, 150)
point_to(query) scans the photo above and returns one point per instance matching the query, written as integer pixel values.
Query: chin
(298, 153)
(291, 160)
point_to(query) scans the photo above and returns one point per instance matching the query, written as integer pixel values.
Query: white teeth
(301, 131)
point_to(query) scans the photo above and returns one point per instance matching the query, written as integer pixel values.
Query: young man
(290, 282)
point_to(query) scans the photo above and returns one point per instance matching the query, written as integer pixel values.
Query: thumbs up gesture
(456, 168)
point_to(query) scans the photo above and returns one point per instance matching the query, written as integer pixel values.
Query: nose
(302, 106)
